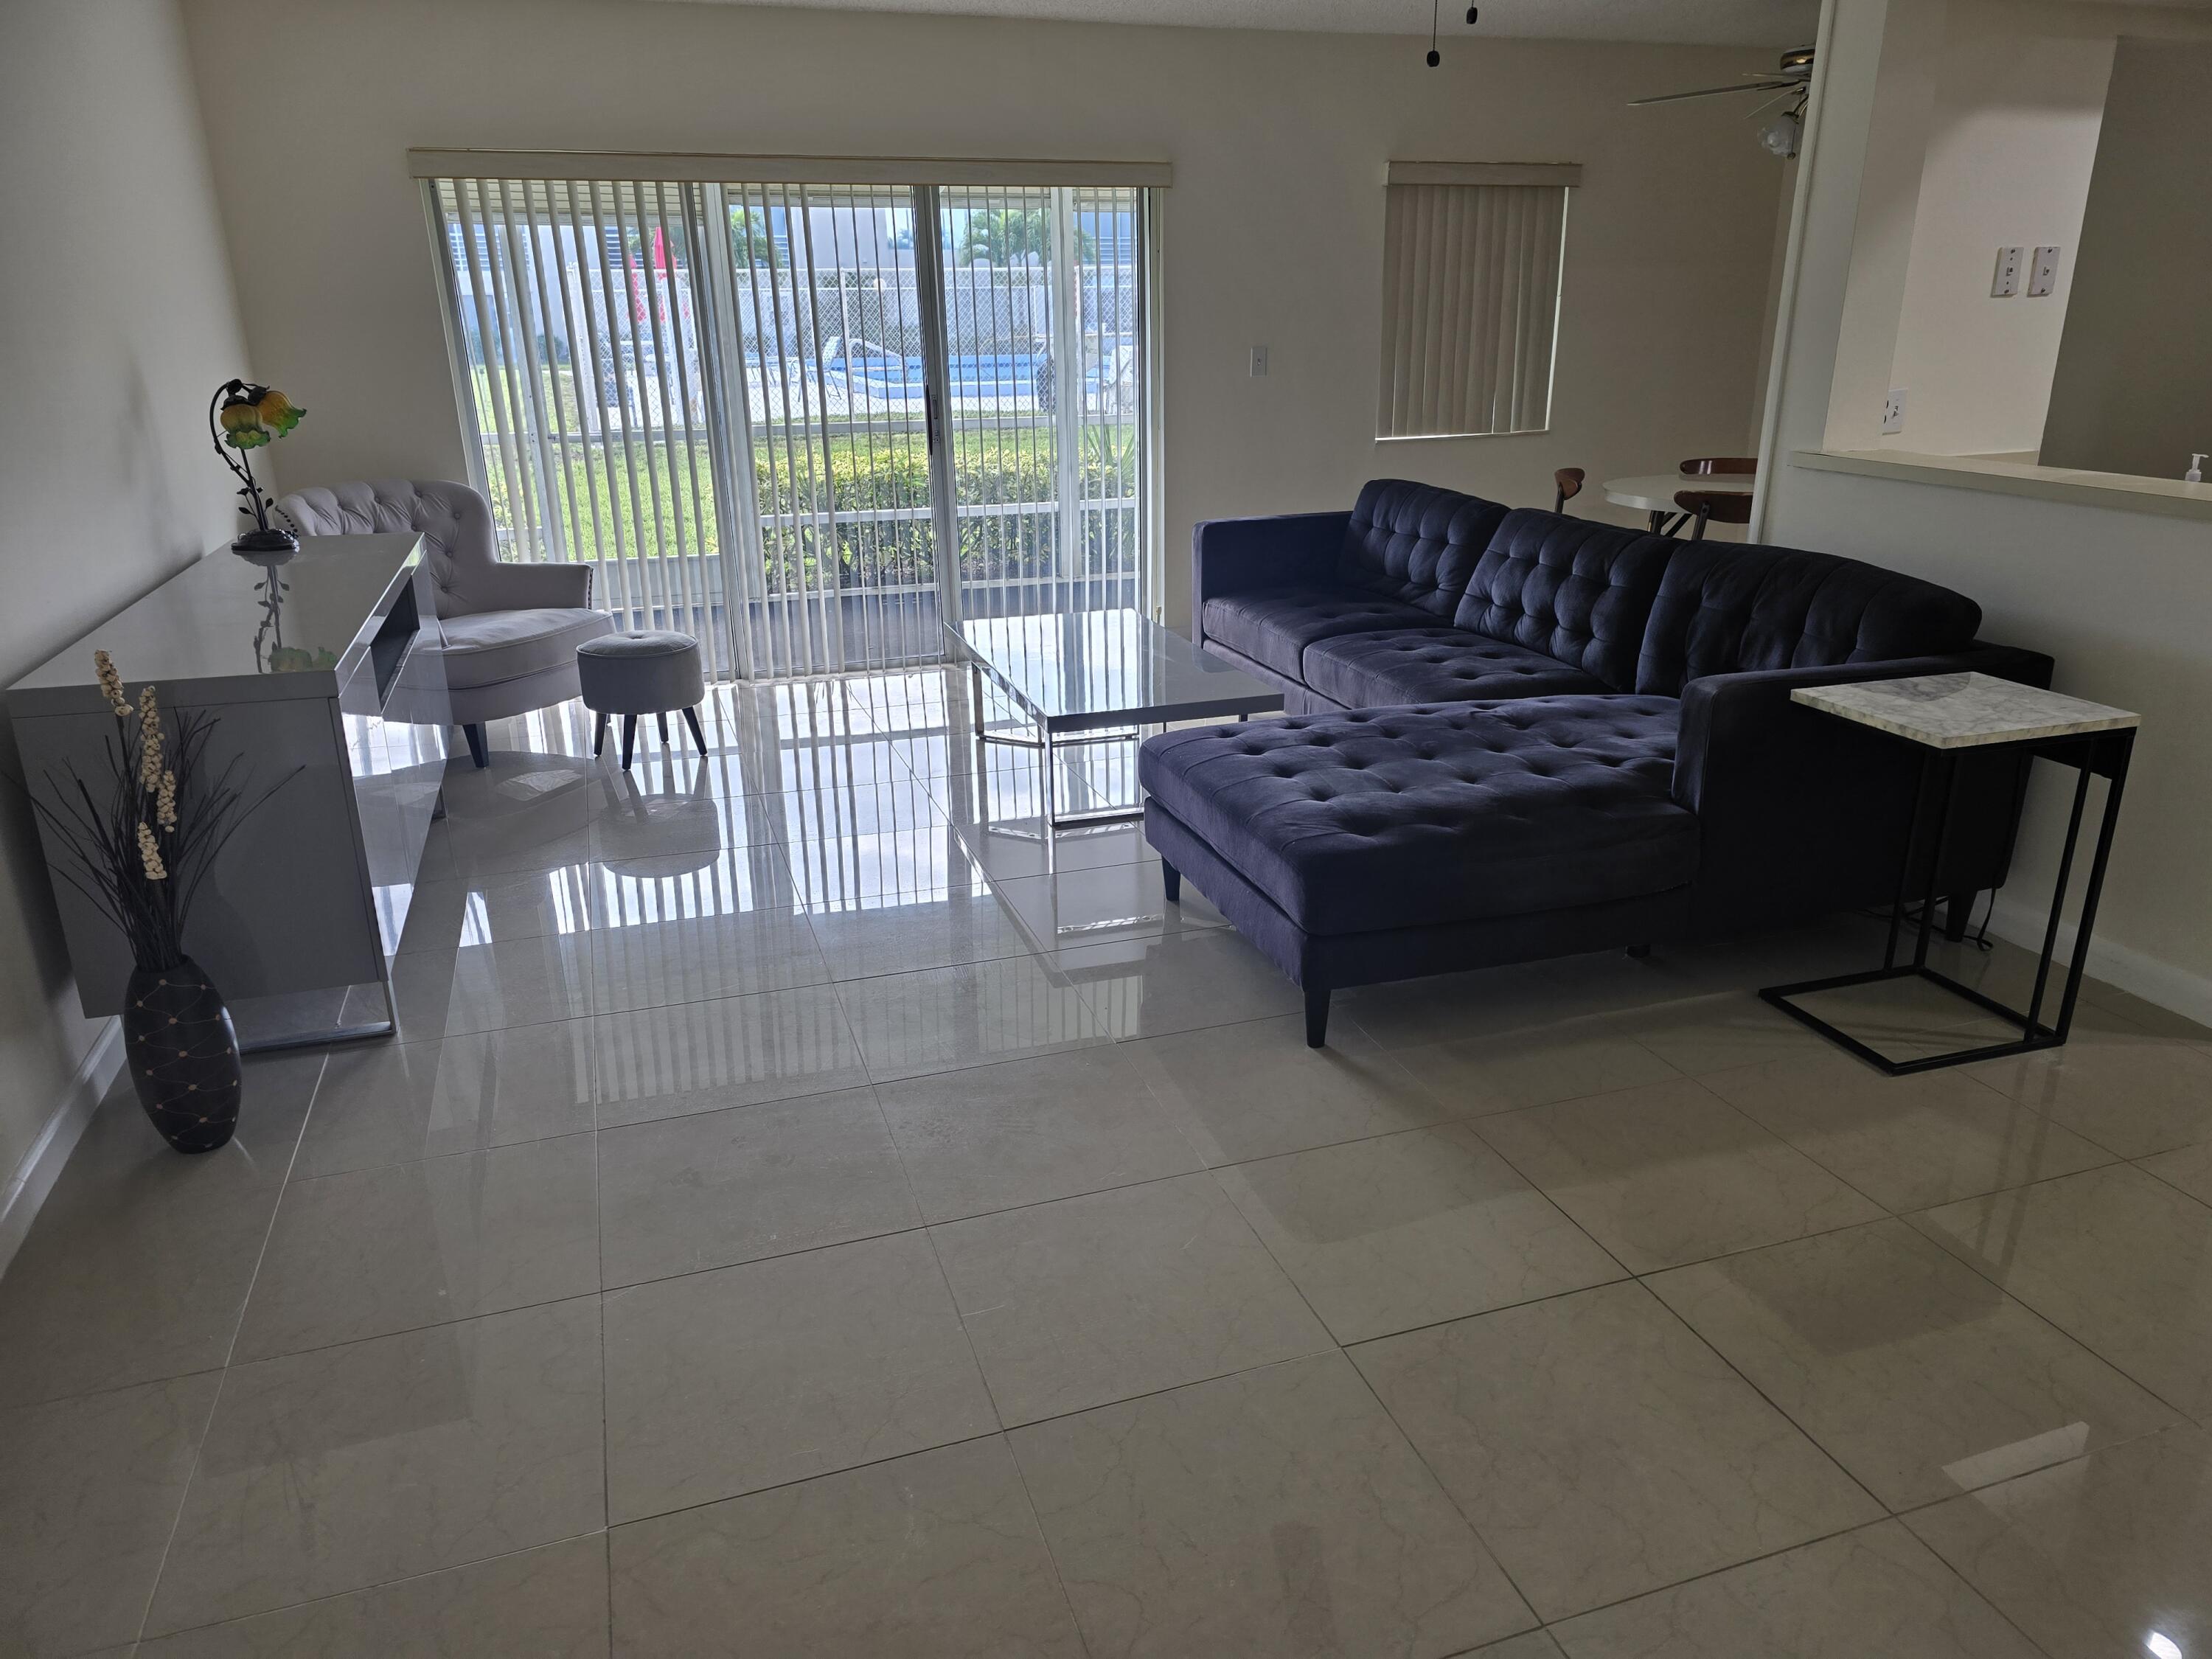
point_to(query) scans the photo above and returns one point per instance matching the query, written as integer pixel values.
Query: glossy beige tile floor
(810, 1214)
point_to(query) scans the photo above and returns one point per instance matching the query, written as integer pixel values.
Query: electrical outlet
(1892, 411)
(2006, 282)
(2043, 275)
(1259, 362)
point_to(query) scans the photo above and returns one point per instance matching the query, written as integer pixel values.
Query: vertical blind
(722, 393)
(1471, 276)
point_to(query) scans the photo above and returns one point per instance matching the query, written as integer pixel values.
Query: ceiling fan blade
(1712, 92)
(1767, 104)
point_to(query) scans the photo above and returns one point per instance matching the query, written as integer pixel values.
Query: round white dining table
(1656, 494)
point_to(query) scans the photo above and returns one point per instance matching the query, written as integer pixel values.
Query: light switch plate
(2043, 275)
(1259, 362)
(1892, 411)
(2006, 282)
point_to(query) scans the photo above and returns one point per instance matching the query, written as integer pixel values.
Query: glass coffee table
(1088, 676)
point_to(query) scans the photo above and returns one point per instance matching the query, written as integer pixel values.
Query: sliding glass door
(1043, 378)
(767, 411)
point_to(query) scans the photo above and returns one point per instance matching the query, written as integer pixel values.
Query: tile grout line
(1001, 1435)
(599, 1317)
(223, 1380)
(363, 1590)
(1343, 1354)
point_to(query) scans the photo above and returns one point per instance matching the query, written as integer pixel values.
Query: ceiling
(1738, 23)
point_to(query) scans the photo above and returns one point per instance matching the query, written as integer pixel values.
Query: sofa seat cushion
(1434, 665)
(1275, 625)
(1404, 818)
(488, 646)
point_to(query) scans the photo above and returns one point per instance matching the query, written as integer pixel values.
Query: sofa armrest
(1238, 555)
(1736, 726)
(1794, 803)
(531, 588)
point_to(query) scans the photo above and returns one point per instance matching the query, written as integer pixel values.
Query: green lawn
(654, 496)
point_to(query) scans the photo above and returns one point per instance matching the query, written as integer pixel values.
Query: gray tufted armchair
(510, 630)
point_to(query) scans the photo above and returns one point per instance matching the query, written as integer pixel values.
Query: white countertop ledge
(2121, 491)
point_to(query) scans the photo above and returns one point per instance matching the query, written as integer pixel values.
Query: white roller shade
(1470, 307)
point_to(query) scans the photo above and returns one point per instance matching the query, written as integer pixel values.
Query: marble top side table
(1946, 715)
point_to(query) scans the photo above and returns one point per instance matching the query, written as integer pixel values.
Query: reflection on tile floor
(812, 1211)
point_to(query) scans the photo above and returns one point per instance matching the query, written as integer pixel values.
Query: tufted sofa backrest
(1727, 607)
(1416, 543)
(1579, 590)
(452, 518)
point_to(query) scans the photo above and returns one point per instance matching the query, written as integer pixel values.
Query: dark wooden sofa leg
(1958, 911)
(477, 752)
(1171, 879)
(1316, 1015)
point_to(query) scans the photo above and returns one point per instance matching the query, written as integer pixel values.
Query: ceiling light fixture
(1435, 57)
(1782, 135)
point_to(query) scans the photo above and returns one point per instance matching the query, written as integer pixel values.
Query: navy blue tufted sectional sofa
(1514, 734)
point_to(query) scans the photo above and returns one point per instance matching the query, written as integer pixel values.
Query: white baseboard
(2022, 922)
(34, 1177)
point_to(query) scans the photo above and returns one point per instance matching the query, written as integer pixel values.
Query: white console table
(302, 912)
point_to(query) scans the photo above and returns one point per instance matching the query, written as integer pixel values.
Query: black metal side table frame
(2105, 752)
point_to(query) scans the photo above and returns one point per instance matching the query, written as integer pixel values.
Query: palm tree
(1009, 236)
(750, 244)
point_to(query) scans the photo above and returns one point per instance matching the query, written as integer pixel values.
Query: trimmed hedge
(664, 489)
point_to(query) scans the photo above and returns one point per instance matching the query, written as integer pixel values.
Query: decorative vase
(183, 1053)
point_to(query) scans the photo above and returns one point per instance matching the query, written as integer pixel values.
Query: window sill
(2120, 491)
(1456, 437)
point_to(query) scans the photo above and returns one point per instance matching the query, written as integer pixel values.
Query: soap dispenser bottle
(2195, 473)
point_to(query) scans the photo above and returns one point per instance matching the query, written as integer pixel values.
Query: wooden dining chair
(1713, 507)
(1570, 482)
(1707, 467)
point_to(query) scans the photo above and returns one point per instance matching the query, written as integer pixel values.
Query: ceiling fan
(1791, 82)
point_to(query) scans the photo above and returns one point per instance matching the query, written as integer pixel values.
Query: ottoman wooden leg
(691, 719)
(599, 736)
(629, 739)
(476, 736)
(662, 718)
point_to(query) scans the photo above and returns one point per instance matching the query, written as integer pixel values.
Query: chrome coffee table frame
(1139, 675)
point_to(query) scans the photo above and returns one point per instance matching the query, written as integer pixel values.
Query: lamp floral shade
(250, 421)
(242, 417)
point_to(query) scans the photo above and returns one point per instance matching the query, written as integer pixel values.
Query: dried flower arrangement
(141, 855)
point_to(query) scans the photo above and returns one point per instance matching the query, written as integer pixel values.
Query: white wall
(2011, 139)
(1274, 225)
(2133, 387)
(2118, 598)
(117, 321)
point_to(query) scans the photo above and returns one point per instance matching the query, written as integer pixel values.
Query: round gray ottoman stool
(643, 672)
